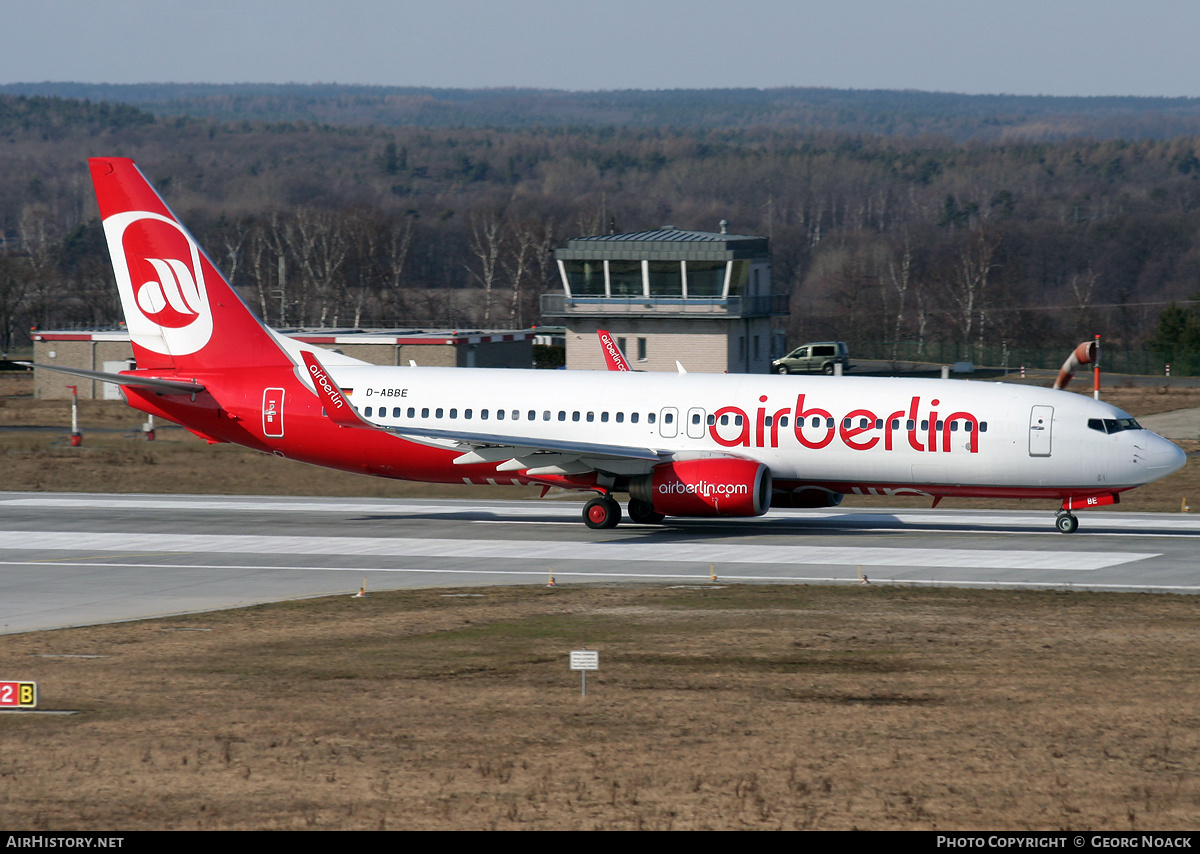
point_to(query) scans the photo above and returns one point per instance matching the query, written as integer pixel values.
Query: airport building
(701, 298)
(111, 351)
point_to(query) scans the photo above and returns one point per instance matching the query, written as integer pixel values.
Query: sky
(1023, 47)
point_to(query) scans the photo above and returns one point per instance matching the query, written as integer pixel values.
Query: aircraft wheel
(1066, 524)
(782, 369)
(602, 512)
(643, 512)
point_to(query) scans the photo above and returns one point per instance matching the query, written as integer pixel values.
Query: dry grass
(755, 707)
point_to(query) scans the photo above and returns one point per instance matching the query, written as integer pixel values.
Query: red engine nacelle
(710, 487)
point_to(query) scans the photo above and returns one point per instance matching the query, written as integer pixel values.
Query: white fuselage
(886, 433)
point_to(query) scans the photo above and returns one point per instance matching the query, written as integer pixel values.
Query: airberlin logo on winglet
(616, 359)
(334, 396)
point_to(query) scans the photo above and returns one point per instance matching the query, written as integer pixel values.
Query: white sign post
(584, 660)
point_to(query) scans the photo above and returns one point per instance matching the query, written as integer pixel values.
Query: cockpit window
(1113, 425)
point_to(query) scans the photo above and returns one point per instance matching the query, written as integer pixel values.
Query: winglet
(613, 357)
(337, 405)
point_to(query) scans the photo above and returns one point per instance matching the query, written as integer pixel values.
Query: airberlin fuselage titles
(678, 444)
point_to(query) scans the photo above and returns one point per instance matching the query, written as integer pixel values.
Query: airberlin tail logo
(173, 299)
(160, 275)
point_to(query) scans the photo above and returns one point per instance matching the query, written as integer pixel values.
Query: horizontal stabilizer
(153, 383)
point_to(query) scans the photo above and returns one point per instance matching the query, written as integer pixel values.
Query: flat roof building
(111, 351)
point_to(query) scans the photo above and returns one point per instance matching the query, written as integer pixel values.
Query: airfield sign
(18, 695)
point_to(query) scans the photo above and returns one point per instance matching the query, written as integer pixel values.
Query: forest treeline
(797, 109)
(902, 245)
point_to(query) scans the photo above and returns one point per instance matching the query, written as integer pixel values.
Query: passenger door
(1041, 423)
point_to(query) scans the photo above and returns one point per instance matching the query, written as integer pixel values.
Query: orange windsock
(1084, 354)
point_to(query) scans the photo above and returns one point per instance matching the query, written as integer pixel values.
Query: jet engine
(719, 486)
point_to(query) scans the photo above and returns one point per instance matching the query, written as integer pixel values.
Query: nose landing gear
(1066, 522)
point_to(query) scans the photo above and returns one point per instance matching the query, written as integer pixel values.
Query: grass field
(714, 707)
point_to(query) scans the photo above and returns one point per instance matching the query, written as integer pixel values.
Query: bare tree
(485, 246)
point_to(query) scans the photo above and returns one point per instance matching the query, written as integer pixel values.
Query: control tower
(702, 298)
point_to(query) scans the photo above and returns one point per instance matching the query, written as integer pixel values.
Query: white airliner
(677, 444)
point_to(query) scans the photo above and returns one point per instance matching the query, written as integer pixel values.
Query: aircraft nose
(1163, 457)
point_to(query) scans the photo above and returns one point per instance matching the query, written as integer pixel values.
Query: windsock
(1084, 354)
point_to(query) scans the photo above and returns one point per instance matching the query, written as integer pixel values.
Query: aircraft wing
(538, 455)
(153, 383)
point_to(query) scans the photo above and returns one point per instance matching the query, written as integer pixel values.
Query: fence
(1114, 358)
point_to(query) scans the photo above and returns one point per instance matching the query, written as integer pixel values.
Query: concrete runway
(75, 559)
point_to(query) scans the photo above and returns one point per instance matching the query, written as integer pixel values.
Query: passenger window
(633, 418)
(453, 413)
(533, 415)
(575, 416)
(650, 417)
(982, 426)
(737, 421)
(424, 411)
(483, 414)
(621, 417)
(367, 412)
(466, 413)
(603, 417)
(499, 414)
(829, 423)
(562, 415)
(412, 412)
(667, 419)
(438, 413)
(925, 424)
(724, 420)
(783, 421)
(516, 415)
(591, 416)
(546, 415)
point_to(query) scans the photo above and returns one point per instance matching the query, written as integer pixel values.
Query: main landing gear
(1066, 522)
(602, 512)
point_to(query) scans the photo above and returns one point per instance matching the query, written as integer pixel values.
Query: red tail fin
(180, 311)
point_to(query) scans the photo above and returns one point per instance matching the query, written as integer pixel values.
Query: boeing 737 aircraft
(678, 444)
